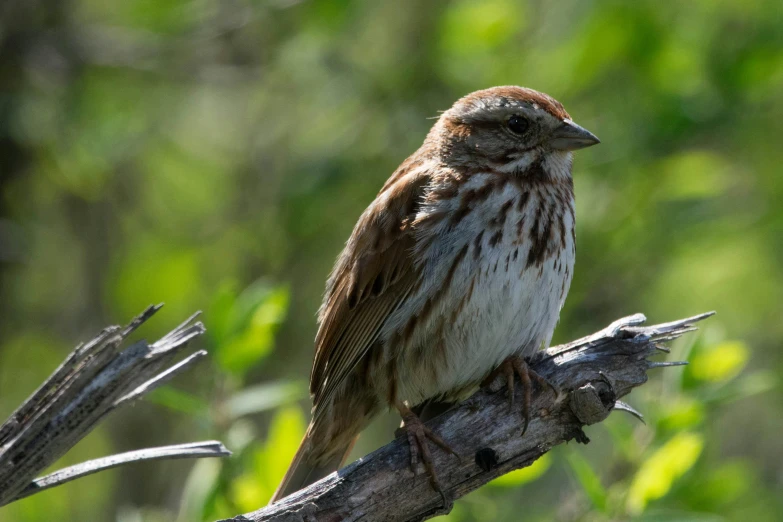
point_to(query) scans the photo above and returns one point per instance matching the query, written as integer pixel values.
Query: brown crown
(513, 94)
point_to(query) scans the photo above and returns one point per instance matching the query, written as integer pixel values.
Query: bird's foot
(516, 365)
(419, 436)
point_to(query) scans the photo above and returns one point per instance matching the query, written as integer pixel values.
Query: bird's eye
(518, 124)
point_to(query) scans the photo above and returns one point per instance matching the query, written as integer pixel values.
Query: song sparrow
(455, 272)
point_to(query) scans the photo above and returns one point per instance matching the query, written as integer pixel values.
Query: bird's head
(507, 129)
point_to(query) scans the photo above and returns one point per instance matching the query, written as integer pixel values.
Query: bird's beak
(570, 136)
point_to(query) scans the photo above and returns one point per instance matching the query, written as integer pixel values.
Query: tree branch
(210, 448)
(592, 374)
(93, 380)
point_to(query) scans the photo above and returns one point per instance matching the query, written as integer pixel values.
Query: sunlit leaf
(255, 317)
(220, 312)
(260, 301)
(524, 475)
(255, 487)
(657, 474)
(681, 413)
(719, 363)
(285, 434)
(248, 492)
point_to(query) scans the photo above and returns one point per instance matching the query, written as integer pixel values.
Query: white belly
(497, 303)
(511, 312)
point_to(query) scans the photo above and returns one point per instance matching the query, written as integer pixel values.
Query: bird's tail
(306, 468)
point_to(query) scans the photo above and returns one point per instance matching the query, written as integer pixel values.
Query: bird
(453, 276)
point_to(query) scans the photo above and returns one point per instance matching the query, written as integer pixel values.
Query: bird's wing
(373, 275)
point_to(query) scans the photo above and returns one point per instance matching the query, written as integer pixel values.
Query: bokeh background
(214, 155)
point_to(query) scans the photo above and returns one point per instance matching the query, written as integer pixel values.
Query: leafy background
(215, 155)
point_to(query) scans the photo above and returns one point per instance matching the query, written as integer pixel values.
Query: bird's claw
(419, 436)
(517, 366)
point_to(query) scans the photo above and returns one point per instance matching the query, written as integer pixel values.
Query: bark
(94, 379)
(591, 374)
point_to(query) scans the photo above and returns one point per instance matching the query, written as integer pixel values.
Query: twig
(94, 379)
(592, 374)
(210, 448)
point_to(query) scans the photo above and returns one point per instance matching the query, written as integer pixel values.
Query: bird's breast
(496, 266)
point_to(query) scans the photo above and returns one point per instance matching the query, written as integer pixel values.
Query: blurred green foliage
(215, 155)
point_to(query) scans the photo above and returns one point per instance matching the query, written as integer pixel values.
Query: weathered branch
(93, 380)
(591, 373)
(210, 448)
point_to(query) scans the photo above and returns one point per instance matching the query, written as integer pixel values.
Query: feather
(374, 274)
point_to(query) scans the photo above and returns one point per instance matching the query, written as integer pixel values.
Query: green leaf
(220, 312)
(720, 362)
(248, 330)
(681, 413)
(258, 295)
(588, 479)
(285, 434)
(524, 475)
(255, 487)
(657, 474)
(248, 492)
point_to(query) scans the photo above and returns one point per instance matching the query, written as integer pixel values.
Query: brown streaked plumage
(458, 267)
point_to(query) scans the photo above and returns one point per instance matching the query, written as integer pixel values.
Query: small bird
(454, 274)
